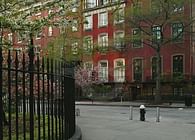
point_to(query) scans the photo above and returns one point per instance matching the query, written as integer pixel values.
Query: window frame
(158, 33)
(74, 48)
(178, 39)
(88, 47)
(119, 71)
(103, 76)
(104, 45)
(139, 40)
(141, 72)
(175, 72)
(152, 66)
(103, 19)
(89, 24)
(119, 12)
(90, 4)
(119, 42)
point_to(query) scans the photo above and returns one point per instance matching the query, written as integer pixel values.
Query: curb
(152, 106)
(77, 135)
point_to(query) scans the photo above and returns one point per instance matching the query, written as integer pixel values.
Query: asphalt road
(112, 123)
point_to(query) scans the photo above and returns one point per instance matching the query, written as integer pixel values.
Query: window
(157, 34)
(37, 49)
(137, 8)
(119, 16)
(156, 9)
(90, 3)
(103, 71)
(88, 65)
(177, 65)
(119, 39)
(51, 12)
(136, 38)
(74, 48)
(50, 31)
(154, 66)
(115, 1)
(74, 25)
(10, 37)
(88, 22)
(177, 91)
(103, 41)
(104, 2)
(88, 44)
(177, 31)
(38, 35)
(103, 19)
(75, 5)
(21, 36)
(178, 7)
(119, 70)
(137, 69)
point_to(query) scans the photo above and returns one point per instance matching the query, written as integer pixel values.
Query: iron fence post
(31, 72)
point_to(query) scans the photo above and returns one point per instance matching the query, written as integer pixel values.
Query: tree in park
(85, 78)
(16, 17)
(151, 21)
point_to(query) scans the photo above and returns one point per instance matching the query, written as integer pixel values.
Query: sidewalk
(133, 103)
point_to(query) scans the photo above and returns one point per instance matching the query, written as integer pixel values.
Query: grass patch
(36, 128)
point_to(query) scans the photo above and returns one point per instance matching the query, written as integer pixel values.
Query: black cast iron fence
(36, 98)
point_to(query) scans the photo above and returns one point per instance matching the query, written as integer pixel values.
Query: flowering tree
(85, 78)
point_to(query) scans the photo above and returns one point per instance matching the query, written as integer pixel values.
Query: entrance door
(135, 91)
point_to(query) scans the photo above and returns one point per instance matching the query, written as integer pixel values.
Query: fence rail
(36, 98)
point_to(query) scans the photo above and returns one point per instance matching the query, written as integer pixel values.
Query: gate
(36, 97)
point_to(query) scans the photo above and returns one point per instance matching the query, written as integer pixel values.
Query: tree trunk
(157, 99)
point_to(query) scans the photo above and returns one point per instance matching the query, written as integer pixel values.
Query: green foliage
(16, 16)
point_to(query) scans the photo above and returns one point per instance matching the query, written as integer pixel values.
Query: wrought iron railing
(36, 98)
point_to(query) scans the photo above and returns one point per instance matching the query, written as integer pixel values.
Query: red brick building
(106, 41)
(103, 39)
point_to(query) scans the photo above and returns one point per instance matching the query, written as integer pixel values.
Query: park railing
(36, 98)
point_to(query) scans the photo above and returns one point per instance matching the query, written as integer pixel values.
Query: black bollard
(142, 112)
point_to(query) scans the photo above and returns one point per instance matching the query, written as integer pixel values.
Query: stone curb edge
(152, 106)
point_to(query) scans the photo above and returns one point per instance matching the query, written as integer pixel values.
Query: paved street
(112, 123)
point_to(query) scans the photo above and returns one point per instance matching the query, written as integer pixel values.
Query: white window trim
(50, 31)
(161, 65)
(119, 31)
(10, 37)
(141, 39)
(99, 71)
(74, 25)
(19, 37)
(86, 37)
(88, 62)
(183, 62)
(92, 6)
(122, 77)
(86, 26)
(75, 44)
(120, 21)
(100, 20)
(38, 37)
(99, 36)
(133, 67)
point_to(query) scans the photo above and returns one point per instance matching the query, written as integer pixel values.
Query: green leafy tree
(15, 17)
